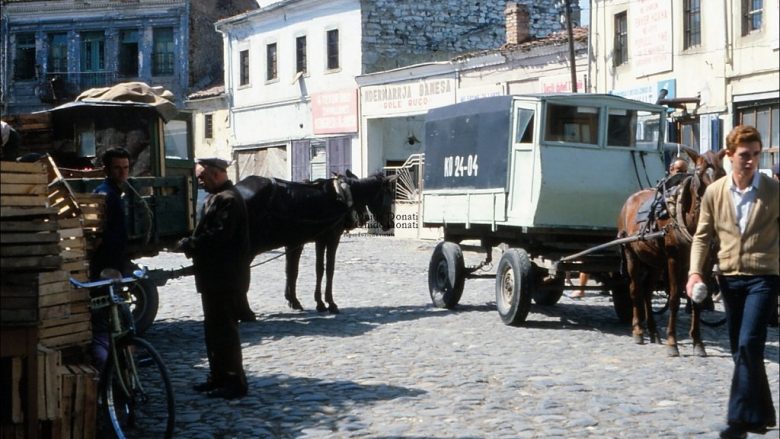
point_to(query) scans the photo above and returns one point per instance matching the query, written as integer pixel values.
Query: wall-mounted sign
(407, 97)
(334, 112)
(560, 84)
(650, 31)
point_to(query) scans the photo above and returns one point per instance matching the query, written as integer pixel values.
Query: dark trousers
(748, 301)
(223, 343)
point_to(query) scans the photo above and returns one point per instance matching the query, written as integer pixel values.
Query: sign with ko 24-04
(466, 144)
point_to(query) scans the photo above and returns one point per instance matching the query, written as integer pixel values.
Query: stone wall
(397, 33)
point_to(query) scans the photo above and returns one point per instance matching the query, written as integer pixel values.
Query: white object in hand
(699, 292)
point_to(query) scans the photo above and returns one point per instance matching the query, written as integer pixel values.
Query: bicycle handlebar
(137, 274)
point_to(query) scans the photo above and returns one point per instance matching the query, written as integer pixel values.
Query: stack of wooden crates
(43, 231)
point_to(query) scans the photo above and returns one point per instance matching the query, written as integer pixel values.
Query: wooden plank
(37, 178)
(18, 316)
(91, 377)
(55, 299)
(30, 168)
(13, 212)
(49, 391)
(23, 189)
(33, 225)
(77, 339)
(71, 233)
(70, 223)
(69, 328)
(23, 200)
(75, 266)
(40, 262)
(29, 250)
(78, 403)
(66, 406)
(61, 311)
(17, 412)
(36, 238)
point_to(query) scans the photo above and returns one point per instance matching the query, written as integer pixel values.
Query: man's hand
(693, 279)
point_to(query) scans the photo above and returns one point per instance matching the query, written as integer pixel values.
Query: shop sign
(334, 112)
(407, 97)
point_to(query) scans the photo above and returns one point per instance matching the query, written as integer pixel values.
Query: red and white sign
(560, 84)
(334, 112)
(650, 31)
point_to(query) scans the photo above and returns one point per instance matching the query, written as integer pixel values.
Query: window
(765, 116)
(566, 123)
(270, 62)
(525, 126)
(93, 51)
(58, 53)
(691, 23)
(751, 15)
(128, 52)
(162, 51)
(333, 49)
(208, 126)
(621, 127)
(300, 54)
(244, 68)
(620, 55)
(24, 62)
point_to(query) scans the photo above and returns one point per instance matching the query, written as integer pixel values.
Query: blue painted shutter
(339, 155)
(716, 128)
(300, 160)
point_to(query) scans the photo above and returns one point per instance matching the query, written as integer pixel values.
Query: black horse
(291, 214)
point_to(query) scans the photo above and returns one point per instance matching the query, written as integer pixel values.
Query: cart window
(525, 126)
(176, 140)
(621, 128)
(566, 123)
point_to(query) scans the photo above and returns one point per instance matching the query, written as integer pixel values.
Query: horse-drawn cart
(543, 176)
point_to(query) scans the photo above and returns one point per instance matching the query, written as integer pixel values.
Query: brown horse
(646, 260)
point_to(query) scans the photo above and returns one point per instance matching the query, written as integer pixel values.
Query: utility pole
(570, 31)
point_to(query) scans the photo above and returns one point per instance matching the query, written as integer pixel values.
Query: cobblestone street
(393, 366)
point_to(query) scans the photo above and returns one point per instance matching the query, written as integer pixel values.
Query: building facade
(290, 70)
(48, 59)
(717, 67)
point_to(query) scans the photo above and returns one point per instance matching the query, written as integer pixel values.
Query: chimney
(517, 22)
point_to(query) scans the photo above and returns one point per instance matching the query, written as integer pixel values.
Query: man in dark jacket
(111, 252)
(219, 248)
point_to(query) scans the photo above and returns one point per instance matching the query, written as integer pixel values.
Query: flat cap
(213, 162)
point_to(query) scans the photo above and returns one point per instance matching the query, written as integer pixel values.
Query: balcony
(59, 87)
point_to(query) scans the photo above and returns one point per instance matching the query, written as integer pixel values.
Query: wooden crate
(78, 408)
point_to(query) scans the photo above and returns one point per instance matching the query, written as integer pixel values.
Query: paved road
(392, 366)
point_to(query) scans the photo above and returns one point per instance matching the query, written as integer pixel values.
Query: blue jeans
(748, 301)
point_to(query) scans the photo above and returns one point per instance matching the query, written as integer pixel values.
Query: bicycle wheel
(137, 392)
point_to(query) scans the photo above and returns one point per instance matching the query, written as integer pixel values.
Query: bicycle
(135, 390)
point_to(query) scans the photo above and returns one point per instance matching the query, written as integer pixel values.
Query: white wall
(266, 111)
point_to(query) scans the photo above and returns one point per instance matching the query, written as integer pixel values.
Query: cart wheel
(513, 289)
(446, 275)
(144, 301)
(621, 300)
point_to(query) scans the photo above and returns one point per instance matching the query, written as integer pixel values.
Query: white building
(720, 65)
(290, 71)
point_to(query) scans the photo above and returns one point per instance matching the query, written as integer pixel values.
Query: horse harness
(668, 204)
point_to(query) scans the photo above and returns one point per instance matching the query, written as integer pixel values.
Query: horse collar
(343, 191)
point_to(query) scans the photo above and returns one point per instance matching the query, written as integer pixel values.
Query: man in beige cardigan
(742, 211)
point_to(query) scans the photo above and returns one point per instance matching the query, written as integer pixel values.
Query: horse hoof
(699, 351)
(295, 305)
(333, 309)
(321, 307)
(638, 339)
(672, 351)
